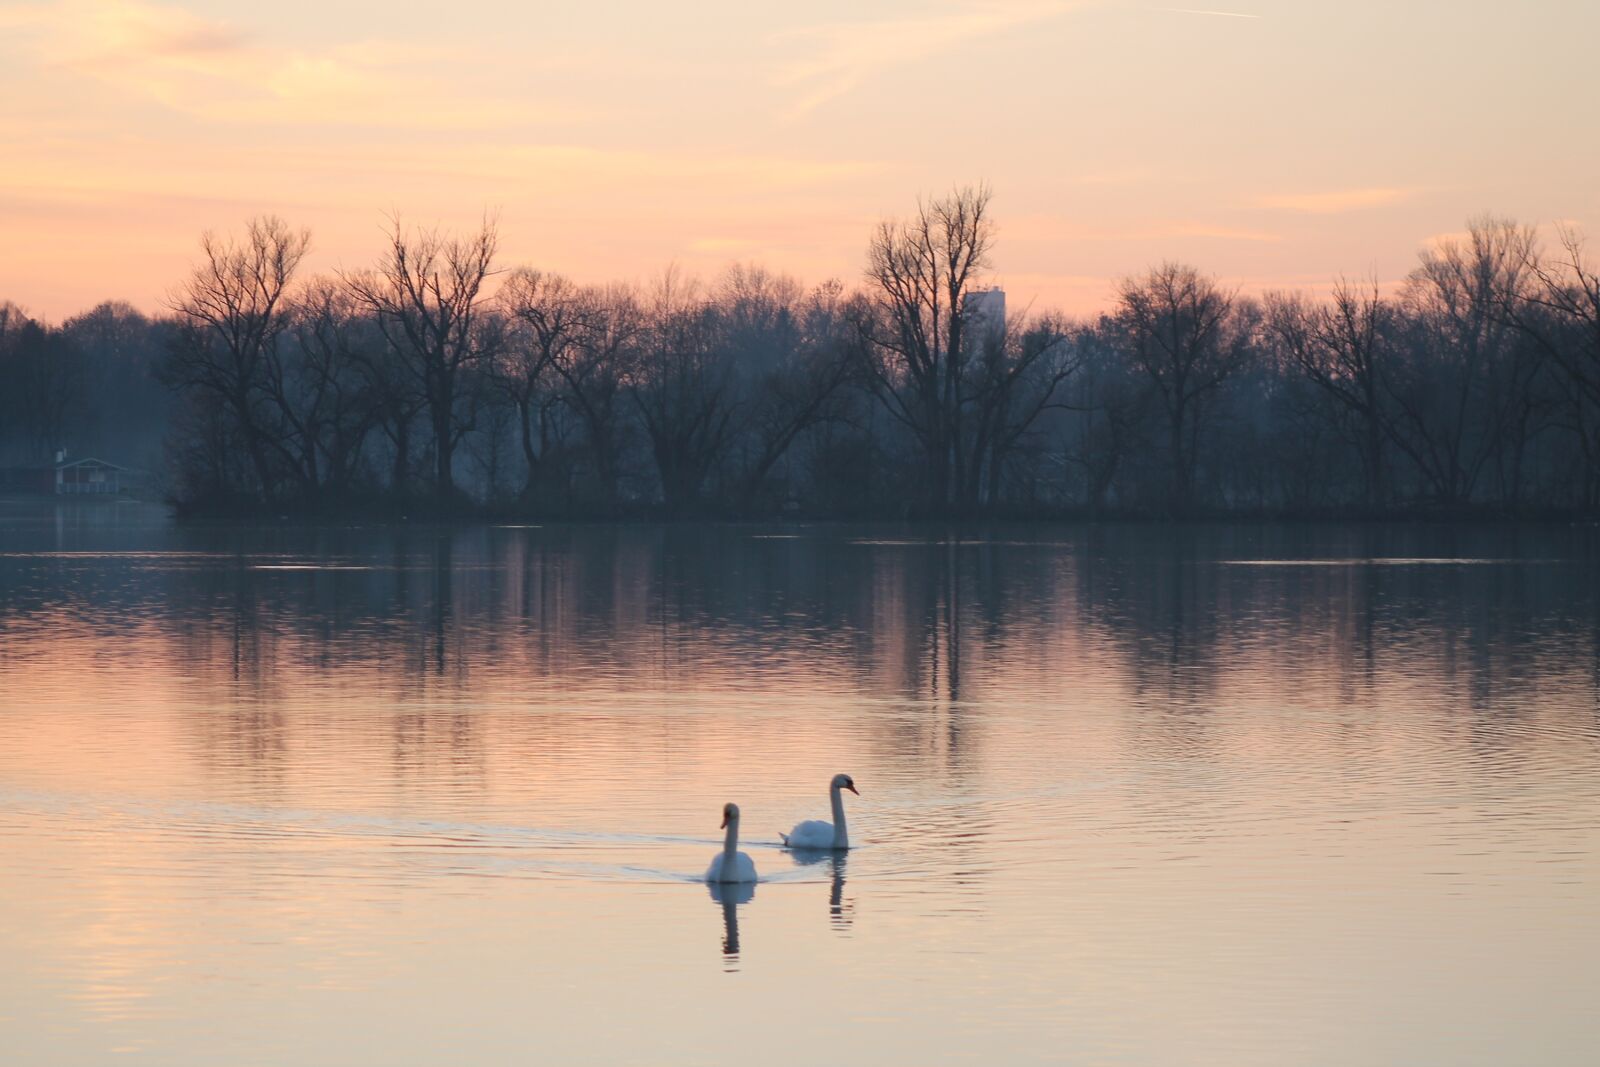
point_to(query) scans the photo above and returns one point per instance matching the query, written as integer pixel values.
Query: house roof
(89, 461)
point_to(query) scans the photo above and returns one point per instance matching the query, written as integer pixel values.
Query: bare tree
(550, 318)
(1465, 387)
(1477, 385)
(396, 402)
(425, 296)
(1569, 290)
(921, 271)
(232, 314)
(1100, 430)
(684, 389)
(1344, 348)
(1559, 312)
(490, 445)
(1016, 377)
(794, 352)
(324, 390)
(46, 385)
(1183, 333)
(11, 319)
(593, 373)
(127, 408)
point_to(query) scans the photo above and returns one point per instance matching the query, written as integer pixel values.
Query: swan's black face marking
(850, 784)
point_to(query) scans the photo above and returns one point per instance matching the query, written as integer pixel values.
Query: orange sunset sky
(1274, 143)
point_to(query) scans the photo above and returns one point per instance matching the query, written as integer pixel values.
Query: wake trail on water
(444, 846)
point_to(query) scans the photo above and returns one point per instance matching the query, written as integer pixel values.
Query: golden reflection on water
(427, 796)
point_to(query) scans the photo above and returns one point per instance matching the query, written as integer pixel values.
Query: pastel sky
(1271, 142)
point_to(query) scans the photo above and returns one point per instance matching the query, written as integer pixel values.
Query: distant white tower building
(985, 313)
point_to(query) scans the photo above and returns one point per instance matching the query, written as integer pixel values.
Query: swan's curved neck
(841, 837)
(730, 845)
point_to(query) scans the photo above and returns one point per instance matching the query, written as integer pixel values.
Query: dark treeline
(90, 384)
(440, 380)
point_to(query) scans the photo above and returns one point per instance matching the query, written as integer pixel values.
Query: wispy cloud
(844, 55)
(1217, 14)
(1050, 229)
(99, 171)
(108, 28)
(1223, 233)
(214, 70)
(1335, 202)
(722, 246)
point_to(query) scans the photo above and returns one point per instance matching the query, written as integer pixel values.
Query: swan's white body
(731, 865)
(816, 834)
(742, 868)
(813, 833)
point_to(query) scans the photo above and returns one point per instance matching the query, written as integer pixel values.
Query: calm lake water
(1130, 794)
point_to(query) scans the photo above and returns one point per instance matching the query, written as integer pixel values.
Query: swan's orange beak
(724, 825)
(852, 789)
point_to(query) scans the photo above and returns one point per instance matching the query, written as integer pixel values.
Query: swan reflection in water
(730, 895)
(840, 913)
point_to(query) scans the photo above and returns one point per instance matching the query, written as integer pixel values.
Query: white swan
(731, 865)
(814, 833)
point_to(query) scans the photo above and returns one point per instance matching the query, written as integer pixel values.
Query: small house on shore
(88, 475)
(65, 478)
